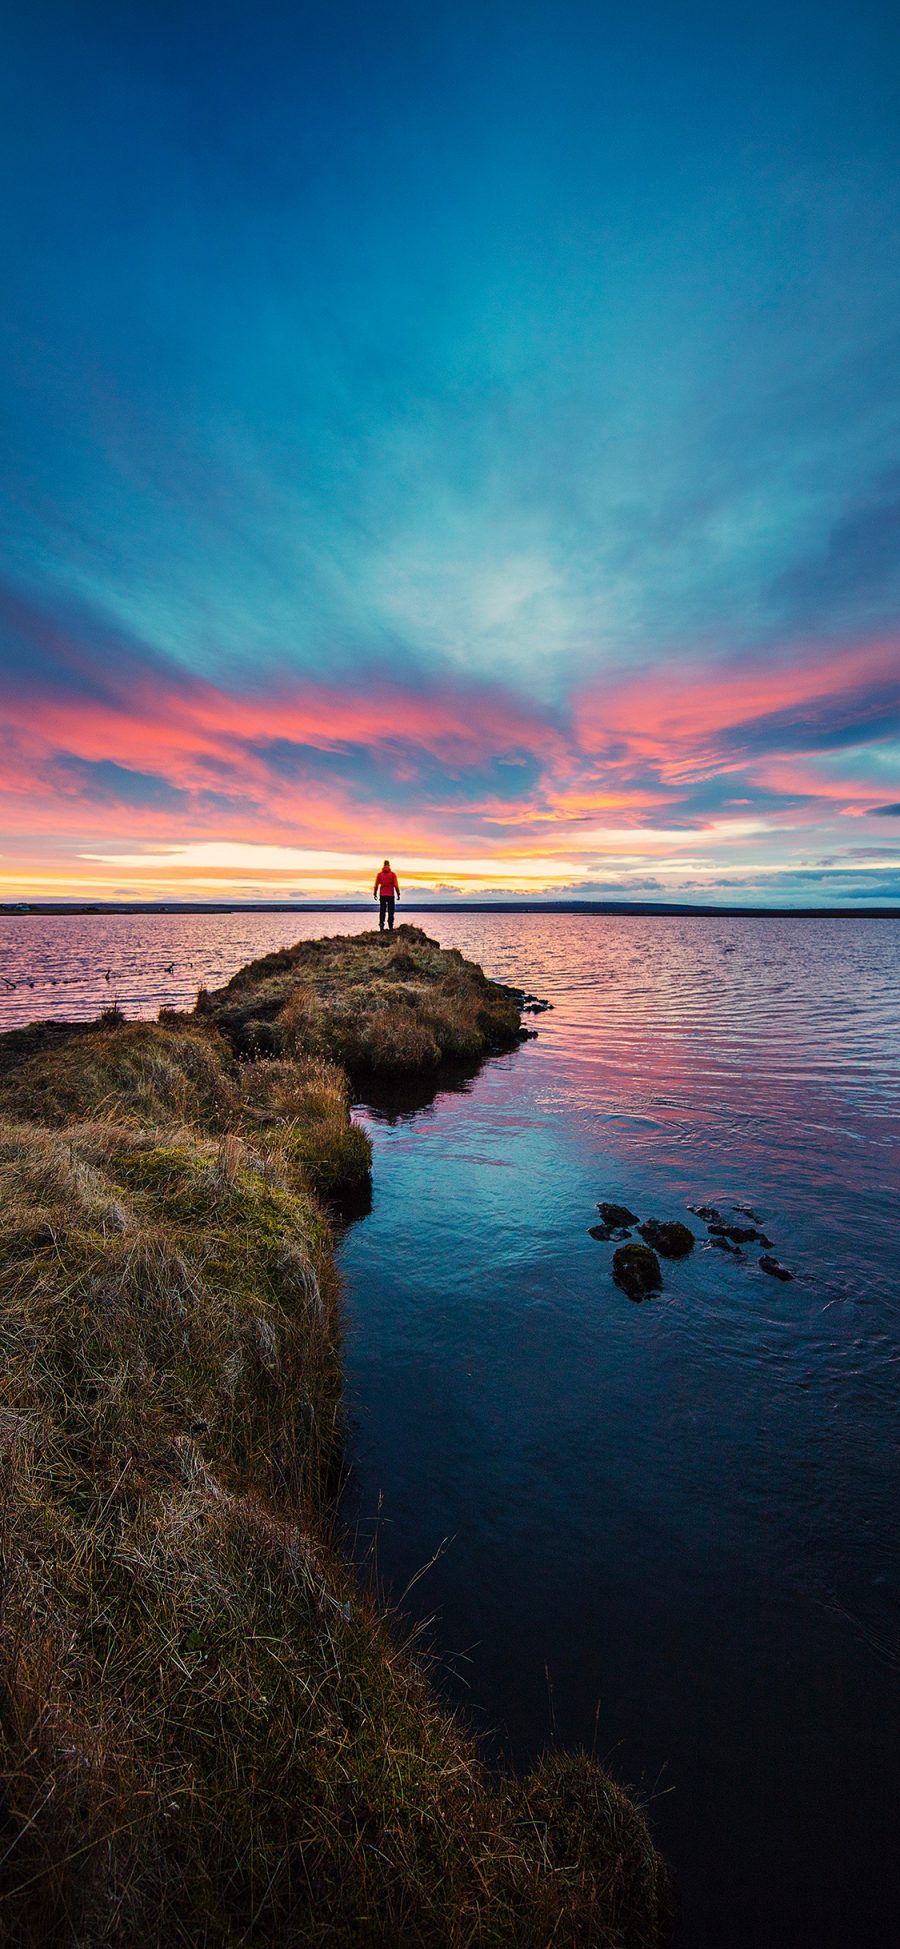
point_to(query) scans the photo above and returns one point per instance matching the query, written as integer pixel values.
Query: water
(664, 1531)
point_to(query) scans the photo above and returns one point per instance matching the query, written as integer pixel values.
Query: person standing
(386, 891)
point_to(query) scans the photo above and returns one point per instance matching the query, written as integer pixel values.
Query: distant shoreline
(646, 909)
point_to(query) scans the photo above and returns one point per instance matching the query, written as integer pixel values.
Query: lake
(665, 1531)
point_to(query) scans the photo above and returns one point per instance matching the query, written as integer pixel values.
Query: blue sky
(467, 430)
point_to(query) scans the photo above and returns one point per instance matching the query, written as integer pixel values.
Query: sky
(468, 433)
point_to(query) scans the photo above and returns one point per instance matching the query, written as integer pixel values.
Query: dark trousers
(386, 906)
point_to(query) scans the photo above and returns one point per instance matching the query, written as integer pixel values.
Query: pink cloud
(636, 752)
(687, 709)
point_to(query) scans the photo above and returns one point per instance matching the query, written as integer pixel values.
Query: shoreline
(642, 909)
(210, 1734)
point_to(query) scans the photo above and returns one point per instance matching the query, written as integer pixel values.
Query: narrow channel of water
(668, 1531)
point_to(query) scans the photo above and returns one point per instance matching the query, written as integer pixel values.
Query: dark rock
(532, 1006)
(739, 1234)
(636, 1269)
(606, 1232)
(617, 1214)
(747, 1211)
(775, 1270)
(725, 1245)
(671, 1238)
(709, 1213)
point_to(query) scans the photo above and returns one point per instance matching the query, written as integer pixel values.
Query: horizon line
(645, 908)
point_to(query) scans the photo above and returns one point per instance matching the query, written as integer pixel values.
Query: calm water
(666, 1531)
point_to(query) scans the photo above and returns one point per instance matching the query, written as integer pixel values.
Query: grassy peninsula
(209, 1736)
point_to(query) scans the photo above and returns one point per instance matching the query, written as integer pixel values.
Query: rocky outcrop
(636, 1269)
(668, 1236)
(616, 1215)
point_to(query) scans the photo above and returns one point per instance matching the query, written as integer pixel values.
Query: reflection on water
(670, 1528)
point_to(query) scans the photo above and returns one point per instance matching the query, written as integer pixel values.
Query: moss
(207, 1733)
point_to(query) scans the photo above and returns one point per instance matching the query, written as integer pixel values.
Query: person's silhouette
(386, 891)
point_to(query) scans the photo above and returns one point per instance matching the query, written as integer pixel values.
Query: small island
(210, 1734)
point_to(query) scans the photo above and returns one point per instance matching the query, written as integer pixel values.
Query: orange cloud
(643, 767)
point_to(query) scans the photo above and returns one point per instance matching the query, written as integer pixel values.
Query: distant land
(647, 908)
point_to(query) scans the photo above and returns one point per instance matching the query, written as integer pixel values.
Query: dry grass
(368, 1001)
(303, 1104)
(144, 1072)
(207, 1735)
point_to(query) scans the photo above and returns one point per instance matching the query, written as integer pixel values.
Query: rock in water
(772, 1266)
(671, 1238)
(739, 1234)
(636, 1269)
(617, 1215)
(606, 1232)
(725, 1245)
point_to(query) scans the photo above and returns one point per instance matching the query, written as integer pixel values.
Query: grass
(208, 1734)
(371, 1002)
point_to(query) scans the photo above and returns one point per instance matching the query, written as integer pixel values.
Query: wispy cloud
(476, 784)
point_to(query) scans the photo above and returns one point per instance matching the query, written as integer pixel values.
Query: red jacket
(386, 881)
